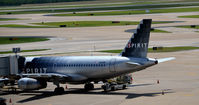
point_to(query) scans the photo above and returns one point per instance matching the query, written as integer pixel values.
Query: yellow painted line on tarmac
(70, 38)
(192, 74)
(188, 95)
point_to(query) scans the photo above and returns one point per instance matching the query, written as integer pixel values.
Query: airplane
(37, 71)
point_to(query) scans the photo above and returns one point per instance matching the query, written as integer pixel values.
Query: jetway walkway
(8, 66)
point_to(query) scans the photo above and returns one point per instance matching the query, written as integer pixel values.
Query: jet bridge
(9, 66)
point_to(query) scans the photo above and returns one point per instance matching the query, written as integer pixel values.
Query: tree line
(20, 2)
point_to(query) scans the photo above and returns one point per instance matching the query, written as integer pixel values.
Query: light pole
(16, 50)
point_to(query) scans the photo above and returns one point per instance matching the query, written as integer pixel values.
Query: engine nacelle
(31, 84)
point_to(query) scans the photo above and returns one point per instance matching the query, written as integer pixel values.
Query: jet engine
(31, 84)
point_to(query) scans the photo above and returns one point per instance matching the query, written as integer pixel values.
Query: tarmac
(178, 79)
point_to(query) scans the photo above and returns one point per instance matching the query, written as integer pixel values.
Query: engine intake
(31, 84)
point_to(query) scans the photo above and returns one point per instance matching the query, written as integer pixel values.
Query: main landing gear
(58, 89)
(88, 86)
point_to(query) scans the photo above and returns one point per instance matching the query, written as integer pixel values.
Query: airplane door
(112, 65)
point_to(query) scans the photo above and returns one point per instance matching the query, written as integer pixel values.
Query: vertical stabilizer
(137, 46)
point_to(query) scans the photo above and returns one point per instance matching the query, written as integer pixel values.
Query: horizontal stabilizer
(133, 63)
(165, 59)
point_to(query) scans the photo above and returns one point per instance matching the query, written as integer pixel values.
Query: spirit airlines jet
(37, 71)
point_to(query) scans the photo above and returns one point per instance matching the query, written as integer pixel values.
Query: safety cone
(10, 101)
(158, 81)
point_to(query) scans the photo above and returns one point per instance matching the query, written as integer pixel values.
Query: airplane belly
(96, 72)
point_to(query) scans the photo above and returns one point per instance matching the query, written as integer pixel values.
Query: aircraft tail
(137, 46)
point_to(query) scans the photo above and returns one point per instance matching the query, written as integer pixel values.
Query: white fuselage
(86, 68)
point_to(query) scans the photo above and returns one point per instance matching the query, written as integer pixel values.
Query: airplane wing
(44, 75)
(165, 59)
(54, 76)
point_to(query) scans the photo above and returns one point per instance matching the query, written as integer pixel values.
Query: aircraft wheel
(89, 86)
(59, 90)
(113, 88)
(124, 87)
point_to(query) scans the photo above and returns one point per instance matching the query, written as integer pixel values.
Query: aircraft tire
(89, 86)
(113, 88)
(124, 87)
(59, 90)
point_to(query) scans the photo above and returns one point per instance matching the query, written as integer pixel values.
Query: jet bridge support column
(13, 65)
